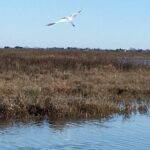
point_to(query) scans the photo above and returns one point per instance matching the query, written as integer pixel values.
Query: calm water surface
(112, 134)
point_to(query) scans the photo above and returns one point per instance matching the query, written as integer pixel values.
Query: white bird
(66, 19)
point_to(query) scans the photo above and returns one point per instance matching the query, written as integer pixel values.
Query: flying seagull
(66, 19)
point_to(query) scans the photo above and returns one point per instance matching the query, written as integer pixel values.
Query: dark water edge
(115, 133)
(134, 61)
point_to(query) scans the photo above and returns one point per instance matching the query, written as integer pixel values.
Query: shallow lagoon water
(115, 133)
(135, 61)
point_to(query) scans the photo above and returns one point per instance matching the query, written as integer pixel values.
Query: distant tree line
(80, 49)
(16, 47)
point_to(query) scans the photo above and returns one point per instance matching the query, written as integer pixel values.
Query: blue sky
(102, 24)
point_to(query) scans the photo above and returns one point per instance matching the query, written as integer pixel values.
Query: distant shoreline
(58, 84)
(76, 49)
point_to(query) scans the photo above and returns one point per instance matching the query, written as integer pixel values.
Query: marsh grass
(71, 84)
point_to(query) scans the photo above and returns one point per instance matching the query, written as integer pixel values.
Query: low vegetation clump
(58, 84)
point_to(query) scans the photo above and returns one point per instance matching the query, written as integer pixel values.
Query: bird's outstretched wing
(75, 14)
(64, 19)
(50, 24)
(59, 21)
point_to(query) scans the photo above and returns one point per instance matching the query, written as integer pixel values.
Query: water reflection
(116, 133)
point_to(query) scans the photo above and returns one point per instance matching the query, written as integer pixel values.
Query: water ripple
(113, 134)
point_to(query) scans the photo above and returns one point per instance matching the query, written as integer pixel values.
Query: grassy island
(55, 83)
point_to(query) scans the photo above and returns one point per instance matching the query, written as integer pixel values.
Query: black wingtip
(79, 11)
(50, 24)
